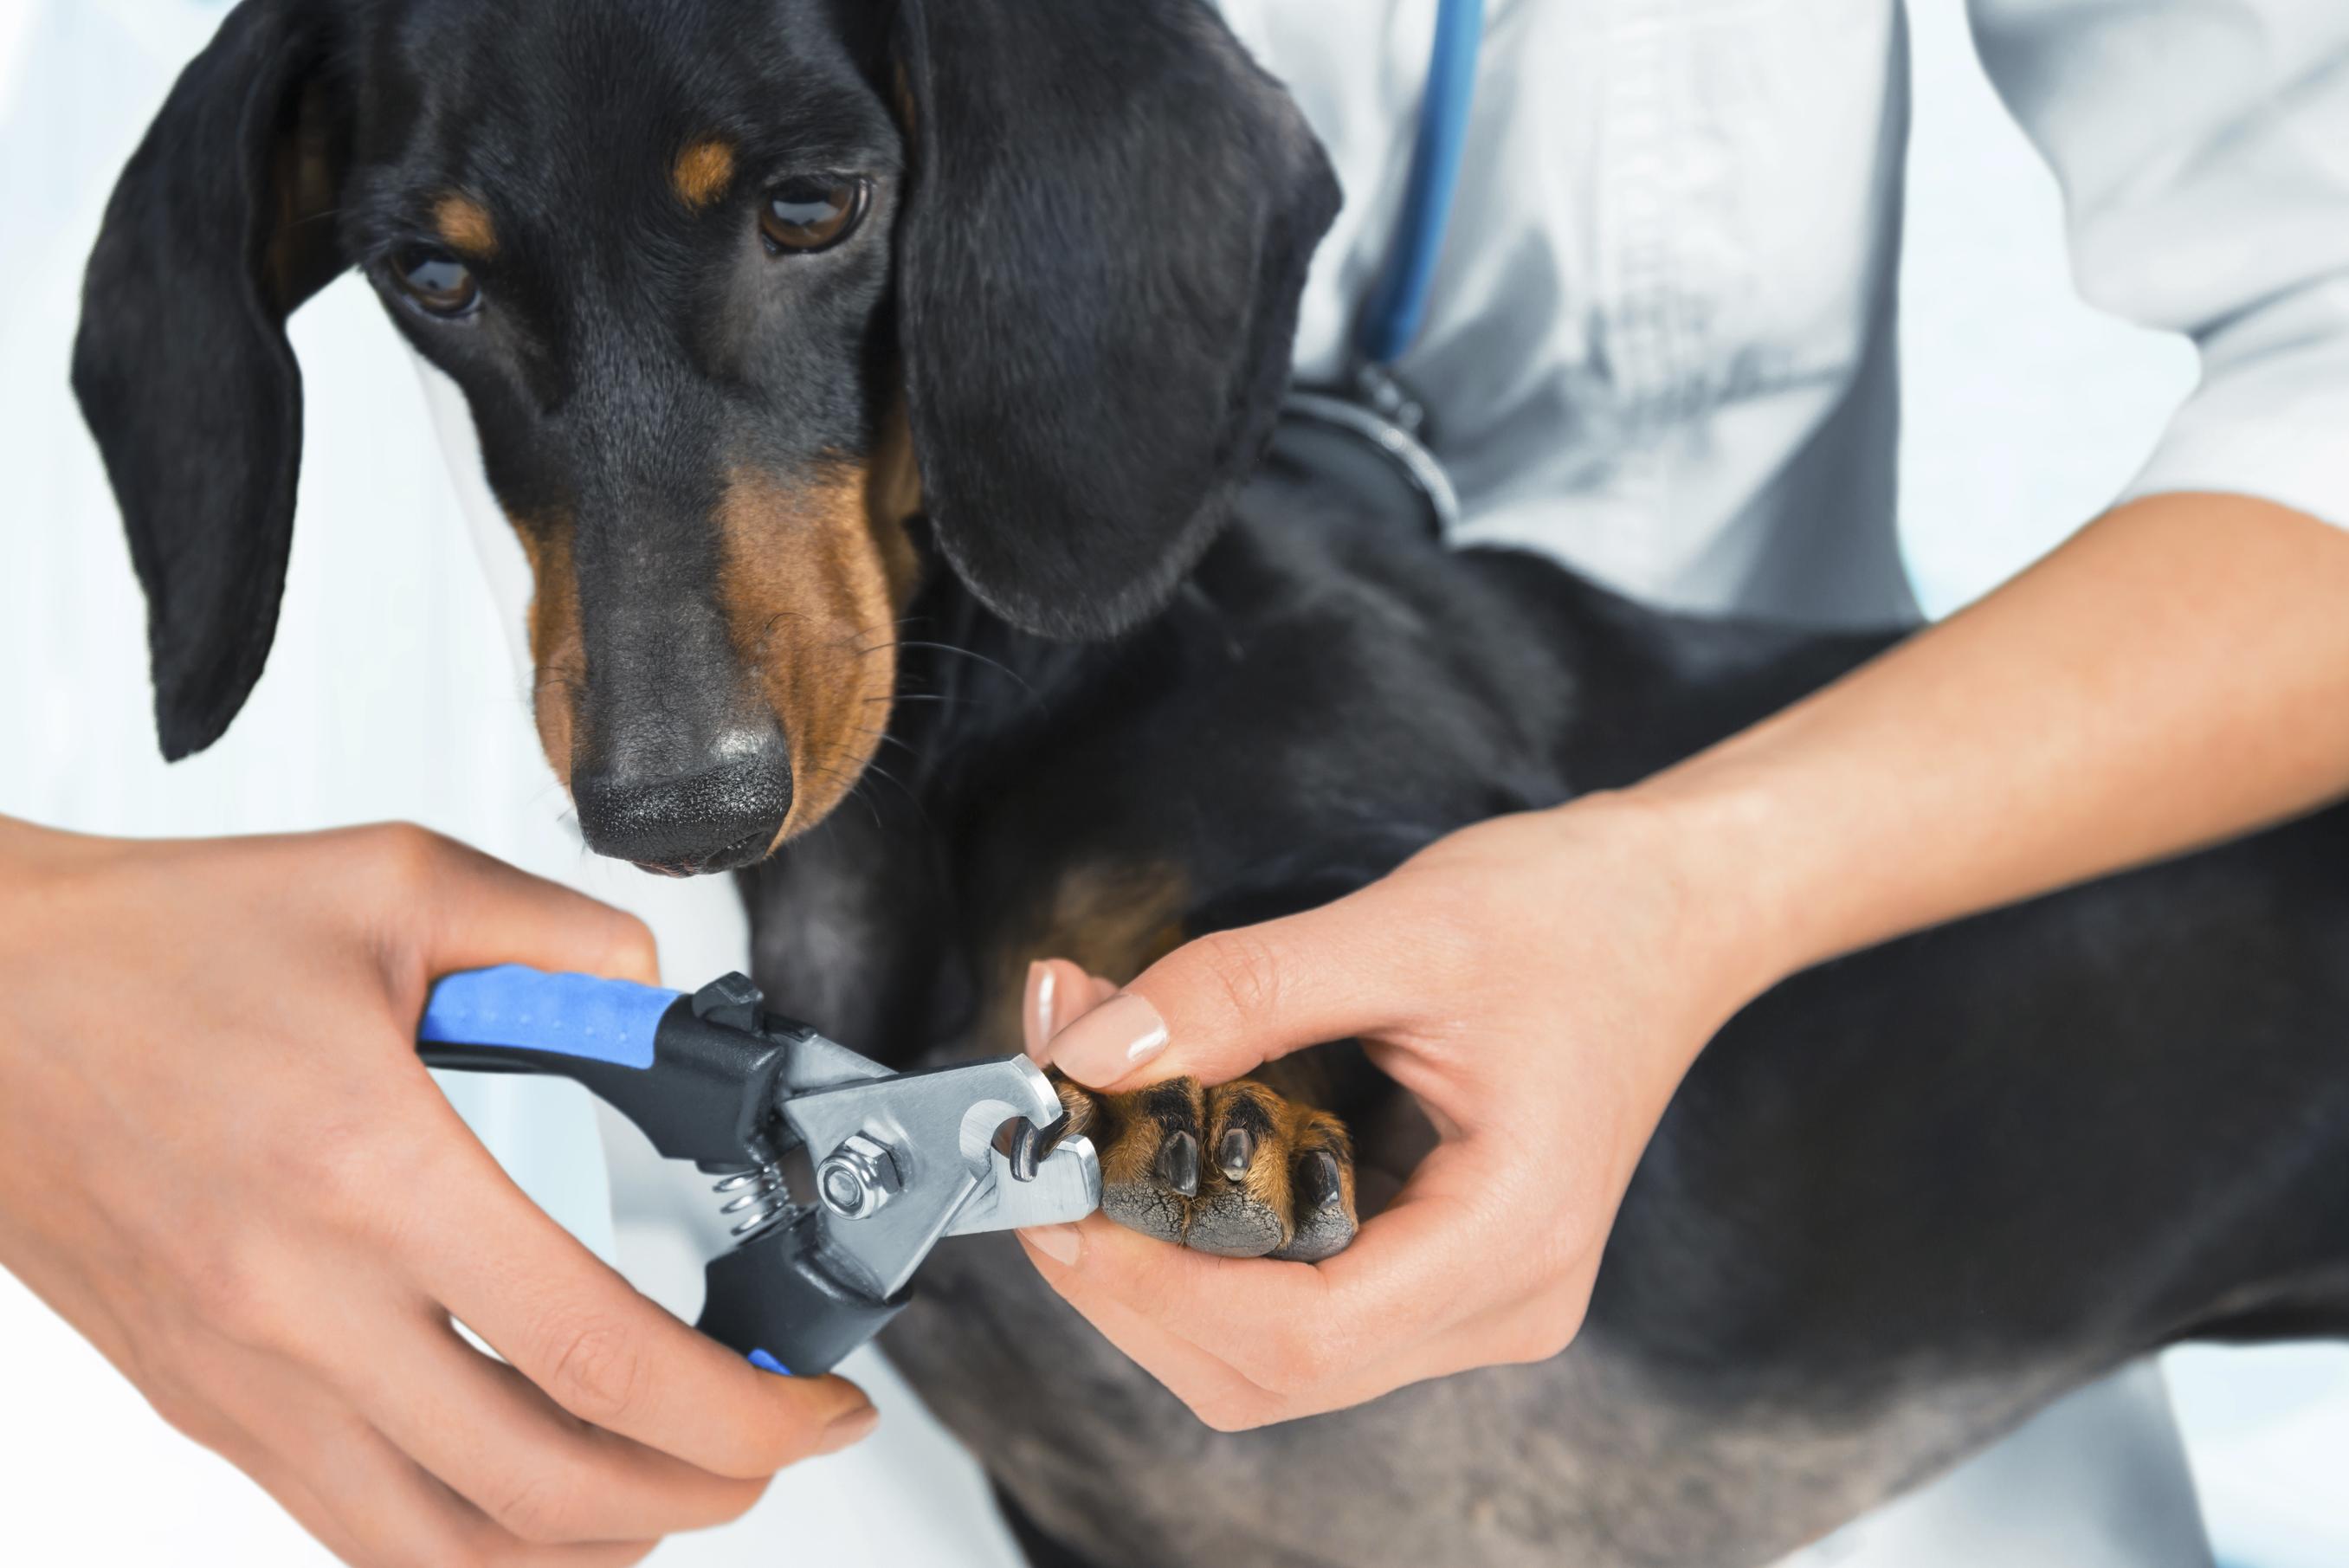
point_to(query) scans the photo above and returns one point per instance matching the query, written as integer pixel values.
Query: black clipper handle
(699, 1077)
(772, 1299)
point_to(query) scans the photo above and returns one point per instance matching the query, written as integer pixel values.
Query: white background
(390, 694)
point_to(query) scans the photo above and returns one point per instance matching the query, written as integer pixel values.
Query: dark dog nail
(1316, 1180)
(1178, 1164)
(1233, 1152)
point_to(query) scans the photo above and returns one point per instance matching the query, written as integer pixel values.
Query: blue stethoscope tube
(1390, 317)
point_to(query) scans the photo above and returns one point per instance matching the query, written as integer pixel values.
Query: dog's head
(735, 288)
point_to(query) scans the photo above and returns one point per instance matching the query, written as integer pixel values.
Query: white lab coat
(1662, 340)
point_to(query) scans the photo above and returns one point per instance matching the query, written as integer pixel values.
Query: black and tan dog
(864, 374)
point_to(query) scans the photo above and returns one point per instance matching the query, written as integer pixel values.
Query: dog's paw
(1238, 1170)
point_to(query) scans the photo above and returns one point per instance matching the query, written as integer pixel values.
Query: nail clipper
(835, 1176)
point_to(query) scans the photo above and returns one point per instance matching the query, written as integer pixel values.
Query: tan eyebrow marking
(703, 172)
(465, 224)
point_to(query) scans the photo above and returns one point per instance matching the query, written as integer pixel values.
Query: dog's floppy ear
(223, 223)
(1110, 214)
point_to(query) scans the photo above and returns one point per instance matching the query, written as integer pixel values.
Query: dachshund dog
(901, 373)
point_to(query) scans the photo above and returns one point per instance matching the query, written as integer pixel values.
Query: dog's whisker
(874, 770)
(967, 653)
(855, 790)
(919, 696)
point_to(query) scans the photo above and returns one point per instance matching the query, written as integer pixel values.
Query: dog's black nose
(717, 819)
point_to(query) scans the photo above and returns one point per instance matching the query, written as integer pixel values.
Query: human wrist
(1737, 926)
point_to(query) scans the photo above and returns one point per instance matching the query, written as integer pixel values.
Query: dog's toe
(1324, 1185)
(1149, 1144)
(1233, 1226)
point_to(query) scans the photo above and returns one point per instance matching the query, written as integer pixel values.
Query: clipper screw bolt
(857, 1178)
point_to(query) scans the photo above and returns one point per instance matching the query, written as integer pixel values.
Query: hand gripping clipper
(835, 1176)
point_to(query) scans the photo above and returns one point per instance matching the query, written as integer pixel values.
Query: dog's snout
(719, 818)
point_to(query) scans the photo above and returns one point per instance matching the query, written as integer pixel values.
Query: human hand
(221, 1160)
(1539, 983)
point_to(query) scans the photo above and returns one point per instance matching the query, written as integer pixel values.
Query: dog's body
(837, 362)
(1901, 1203)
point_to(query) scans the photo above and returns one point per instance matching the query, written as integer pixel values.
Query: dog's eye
(436, 280)
(812, 212)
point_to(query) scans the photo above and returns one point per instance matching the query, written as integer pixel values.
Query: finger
(358, 1493)
(491, 912)
(610, 1357)
(467, 911)
(1058, 993)
(400, 1516)
(1214, 1393)
(1523, 1332)
(1216, 1007)
(494, 1438)
(293, 1494)
(302, 1503)
(1222, 1397)
(1231, 1400)
(1421, 1266)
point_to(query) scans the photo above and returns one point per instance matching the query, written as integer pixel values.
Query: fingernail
(1037, 1021)
(1111, 1041)
(853, 1428)
(1059, 1243)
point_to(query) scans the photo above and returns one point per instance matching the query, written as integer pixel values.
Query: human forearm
(2176, 674)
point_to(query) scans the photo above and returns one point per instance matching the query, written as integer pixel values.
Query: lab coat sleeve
(2203, 151)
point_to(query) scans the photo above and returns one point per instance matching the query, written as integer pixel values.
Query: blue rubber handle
(581, 1016)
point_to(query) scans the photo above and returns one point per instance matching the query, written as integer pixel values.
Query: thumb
(456, 908)
(1230, 1001)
